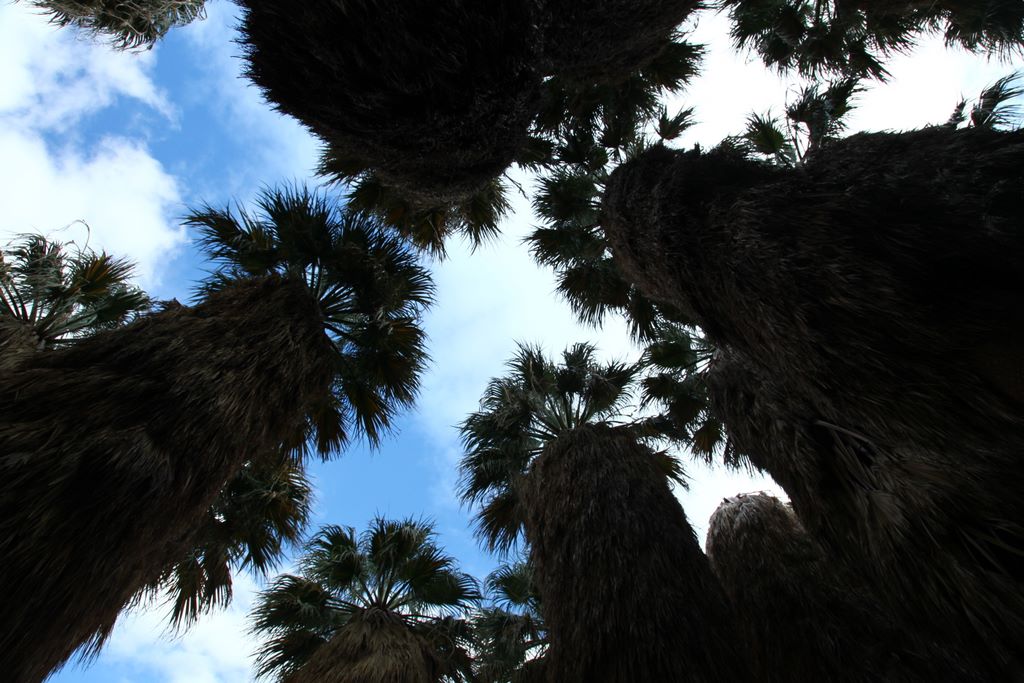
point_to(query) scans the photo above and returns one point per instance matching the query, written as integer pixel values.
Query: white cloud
(51, 179)
(283, 149)
(216, 650)
(53, 77)
(118, 189)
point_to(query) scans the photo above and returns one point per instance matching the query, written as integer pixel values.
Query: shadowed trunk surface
(436, 97)
(607, 40)
(17, 343)
(111, 452)
(373, 647)
(802, 615)
(626, 593)
(873, 300)
(936, 535)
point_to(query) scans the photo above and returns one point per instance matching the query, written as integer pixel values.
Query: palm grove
(841, 313)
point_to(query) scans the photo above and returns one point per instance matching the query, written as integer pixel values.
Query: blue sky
(126, 142)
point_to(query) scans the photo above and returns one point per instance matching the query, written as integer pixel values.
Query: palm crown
(537, 402)
(393, 576)
(370, 288)
(510, 635)
(51, 293)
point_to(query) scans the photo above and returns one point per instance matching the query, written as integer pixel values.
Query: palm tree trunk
(626, 593)
(935, 535)
(871, 301)
(373, 647)
(802, 614)
(111, 452)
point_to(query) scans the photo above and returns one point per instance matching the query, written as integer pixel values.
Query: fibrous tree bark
(803, 615)
(112, 450)
(935, 536)
(608, 40)
(625, 591)
(871, 298)
(434, 97)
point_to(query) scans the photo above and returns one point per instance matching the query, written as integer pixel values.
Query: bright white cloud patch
(282, 149)
(51, 177)
(216, 650)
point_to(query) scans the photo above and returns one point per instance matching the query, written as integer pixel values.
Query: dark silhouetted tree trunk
(626, 593)
(375, 647)
(935, 535)
(803, 616)
(872, 297)
(435, 97)
(112, 450)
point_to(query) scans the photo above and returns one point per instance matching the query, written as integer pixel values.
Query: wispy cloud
(49, 177)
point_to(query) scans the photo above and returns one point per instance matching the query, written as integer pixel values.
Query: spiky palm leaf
(520, 413)
(126, 24)
(390, 587)
(370, 289)
(509, 633)
(257, 516)
(52, 293)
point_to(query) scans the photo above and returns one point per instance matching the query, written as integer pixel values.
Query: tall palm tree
(381, 607)
(624, 588)
(873, 303)
(803, 615)
(126, 24)
(307, 334)
(509, 634)
(423, 106)
(52, 293)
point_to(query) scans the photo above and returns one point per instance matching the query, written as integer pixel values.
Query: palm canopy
(535, 403)
(53, 292)
(391, 578)
(369, 286)
(855, 37)
(509, 632)
(126, 25)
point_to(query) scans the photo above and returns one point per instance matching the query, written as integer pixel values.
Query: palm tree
(433, 98)
(307, 334)
(126, 24)
(854, 37)
(378, 608)
(802, 615)
(52, 293)
(422, 108)
(625, 591)
(510, 634)
(934, 535)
